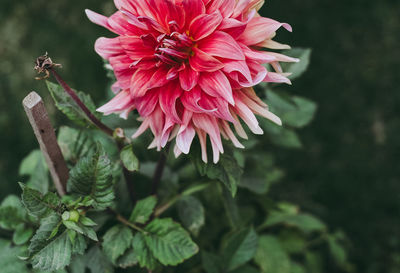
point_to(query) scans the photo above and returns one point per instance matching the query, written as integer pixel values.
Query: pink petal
(202, 61)
(168, 97)
(190, 101)
(135, 48)
(259, 29)
(232, 26)
(147, 103)
(120, 102)
(193, 8)
(221, 44)
(98, 19)
(159, 78)
(108, 47)
(204, 24)
(188, 78)
(276, 77)
(216, 84)
(140, 82)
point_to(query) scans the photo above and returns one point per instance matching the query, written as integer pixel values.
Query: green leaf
(22, 234)
(191, 213)
(74, 143)
(92, 177)
(297, 268)
(292, 241)
(43, 234)
(240, 248)
(128, 259)
(294, 111)
(79, 245)
(87, 221)
(305, 222)
(129, 159)
(84, 230)
(34, 166)
(297, 69)
(38, 205)
(54, 255)
(211, 262)
(143, 210)
(144, 256)
(271, 257)
(281, 136)
(228, 171)
(337, 251)
(98, 262)
(169, 242)
(116, 241)
(11, 214)
(69, 107)
(9, 261)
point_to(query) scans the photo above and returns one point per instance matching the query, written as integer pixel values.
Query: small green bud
(74, 216)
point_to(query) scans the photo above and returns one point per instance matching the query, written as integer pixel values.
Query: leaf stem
(125, 221)
(159, 210)
(159, 169)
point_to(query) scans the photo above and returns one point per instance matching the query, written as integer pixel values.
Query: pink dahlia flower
(188, 68)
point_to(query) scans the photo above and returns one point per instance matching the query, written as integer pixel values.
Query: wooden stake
(44, 132)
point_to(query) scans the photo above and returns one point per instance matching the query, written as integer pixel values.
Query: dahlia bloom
(188, 68)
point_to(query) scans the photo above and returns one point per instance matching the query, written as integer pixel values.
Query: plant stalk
(159, 169)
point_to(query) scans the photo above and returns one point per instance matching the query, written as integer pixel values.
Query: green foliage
(34, 166)
(191, 213)
(169, 242)
(116, 241)
(143, 253)
(9, 261)
(227, 170)
(297, 69)
(143, 210)
(69, 107)
(129, 159)
(271, 257)
(240, 248)
(39, 205)
(92, 177)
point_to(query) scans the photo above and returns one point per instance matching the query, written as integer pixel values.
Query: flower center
(173, 48)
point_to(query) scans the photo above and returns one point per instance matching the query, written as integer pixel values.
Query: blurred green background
(347, 173)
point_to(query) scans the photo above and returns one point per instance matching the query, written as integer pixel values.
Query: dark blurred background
(348, 171)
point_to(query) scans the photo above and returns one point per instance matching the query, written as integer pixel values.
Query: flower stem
(81, 105)
(159, 169)
(107, 130)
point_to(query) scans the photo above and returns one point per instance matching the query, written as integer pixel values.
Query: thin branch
(81, 105)
(125, 221)
(159, 169)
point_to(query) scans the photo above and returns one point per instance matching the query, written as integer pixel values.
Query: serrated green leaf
(128, 259)
(303, 221)
(9, 261)
(143, 254)
(54, 255)
(116, 241)
(129, 159)
(191, 213)
(34, 166)
(69, 107)
(292, 241)
(98, 262)
(281, 136)
(296, 268)
(169, 242)
(38, 205)
(43, 234)
(297, 69)
(240, 248)
(271, 257)
(143, 210)
(22, 234)
(91, 176)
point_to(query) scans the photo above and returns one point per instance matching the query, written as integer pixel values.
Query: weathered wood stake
(44, 132)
